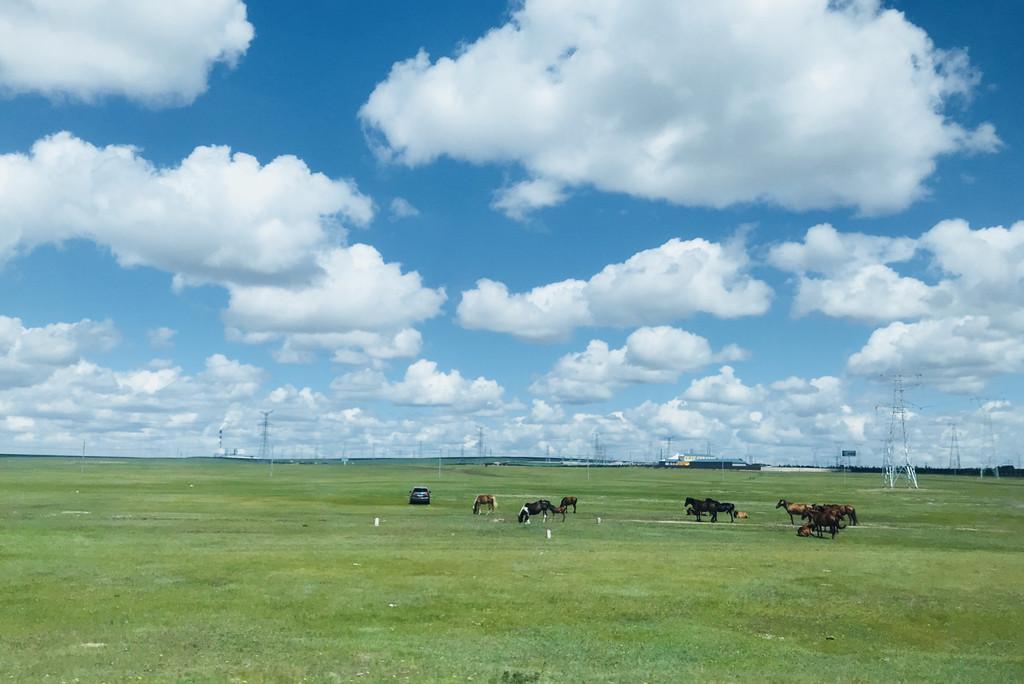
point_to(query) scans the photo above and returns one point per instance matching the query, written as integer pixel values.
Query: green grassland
(212, 571)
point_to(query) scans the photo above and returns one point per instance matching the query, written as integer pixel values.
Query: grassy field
(213, 571)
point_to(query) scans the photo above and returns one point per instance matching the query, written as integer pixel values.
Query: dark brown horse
(485, 500)
(823, 519)
(569, 501)
(841, 510)
(699, 507)
(724, 507)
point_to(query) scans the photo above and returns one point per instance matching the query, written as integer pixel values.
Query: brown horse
(485, 500)
(806, 530)
(793, 508)
(558, 509)
(823, 519)
(849, 511)
(569, 501)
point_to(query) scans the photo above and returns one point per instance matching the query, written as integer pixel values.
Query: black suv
(419, 495)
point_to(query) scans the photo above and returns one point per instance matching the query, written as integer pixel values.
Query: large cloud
(28, 355)
(154, 51)
(958, 330)
(653, 287)
(356, 305)
(423, 385)
(956, 354)
(849, 276)
(216, 217)
(804, 104)
(650, 355)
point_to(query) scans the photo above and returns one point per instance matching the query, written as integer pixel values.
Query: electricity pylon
(898, 464)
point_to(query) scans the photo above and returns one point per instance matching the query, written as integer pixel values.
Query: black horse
(724, 507)
(700, 507)
(538, 506)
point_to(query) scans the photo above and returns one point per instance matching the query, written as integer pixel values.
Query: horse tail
(494, 501)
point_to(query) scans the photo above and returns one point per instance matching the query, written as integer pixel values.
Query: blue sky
(563, 223)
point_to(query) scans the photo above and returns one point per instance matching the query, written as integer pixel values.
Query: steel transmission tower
(265, 442)
(898, 464)
(954, 451)
(989, 446)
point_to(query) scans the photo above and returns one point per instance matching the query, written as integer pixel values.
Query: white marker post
(376, 522)
(549, 534)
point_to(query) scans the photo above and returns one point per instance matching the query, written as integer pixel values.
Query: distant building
(707, 461)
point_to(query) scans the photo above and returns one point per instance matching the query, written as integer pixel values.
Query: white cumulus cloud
(423, 385)
(216, 217)
(650, 355)
(355, 303)
(653, 287)
(30, 354)
(153, 51)
(796, 103)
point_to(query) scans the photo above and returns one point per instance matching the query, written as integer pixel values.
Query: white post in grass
(376, 522)
(549, 534)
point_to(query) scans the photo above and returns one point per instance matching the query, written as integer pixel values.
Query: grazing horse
(702, 507)
(558, 509)
(723, 507)
(569, 501)
(485, 500)
(538, 506)
(791, 508)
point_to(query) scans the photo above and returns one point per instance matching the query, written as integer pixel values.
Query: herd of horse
(538, 507)
(711, 507)
(820, 518)
(543, 507)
